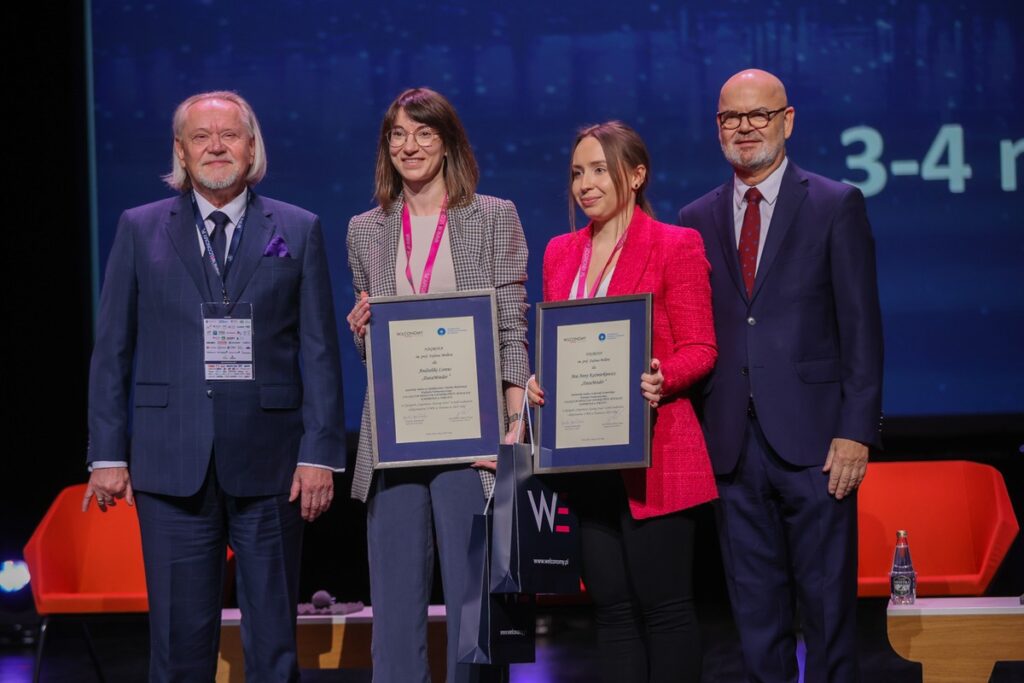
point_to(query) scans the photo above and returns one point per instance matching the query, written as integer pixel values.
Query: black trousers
(639, 574)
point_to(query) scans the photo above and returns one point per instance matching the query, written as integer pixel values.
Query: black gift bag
(535, 546)
(494, 629)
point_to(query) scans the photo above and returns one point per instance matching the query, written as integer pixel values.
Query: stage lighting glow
(13, 576)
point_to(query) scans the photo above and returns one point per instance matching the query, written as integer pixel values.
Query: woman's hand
(651, 383)
(534, 392)
(359, 317)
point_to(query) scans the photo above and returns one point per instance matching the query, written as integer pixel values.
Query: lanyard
(236, 237)
(581, 286)
(435, 244)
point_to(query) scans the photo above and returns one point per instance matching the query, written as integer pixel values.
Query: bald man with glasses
(794, 403)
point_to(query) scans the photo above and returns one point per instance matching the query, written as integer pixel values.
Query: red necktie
(750, 236)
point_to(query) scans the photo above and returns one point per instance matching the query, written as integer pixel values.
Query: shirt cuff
(323, 467)
(106, 464)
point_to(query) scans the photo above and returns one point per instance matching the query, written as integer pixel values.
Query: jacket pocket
(151, 395)
(280, 396)
(818, 371)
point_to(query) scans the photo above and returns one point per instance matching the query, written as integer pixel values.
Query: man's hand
(316, 487)
(108, 484)
(847, 463)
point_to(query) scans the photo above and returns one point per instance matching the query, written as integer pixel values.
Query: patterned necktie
(750, 236)
(220, 235)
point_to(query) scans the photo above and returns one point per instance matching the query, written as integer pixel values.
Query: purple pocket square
(277, 247)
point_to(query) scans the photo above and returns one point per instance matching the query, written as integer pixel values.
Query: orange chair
(85, 563)
(958, 516)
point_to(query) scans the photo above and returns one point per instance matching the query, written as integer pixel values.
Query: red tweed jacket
(668, 262)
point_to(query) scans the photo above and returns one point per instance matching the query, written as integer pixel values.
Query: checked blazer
(488, 250)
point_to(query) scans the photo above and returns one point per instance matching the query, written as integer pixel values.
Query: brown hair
(624, 150)
(430, 108)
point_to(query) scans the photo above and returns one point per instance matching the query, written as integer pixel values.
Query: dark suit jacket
(149, 403)
(808, 344)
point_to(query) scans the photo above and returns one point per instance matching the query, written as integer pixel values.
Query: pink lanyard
(435, 244)
(581, 286)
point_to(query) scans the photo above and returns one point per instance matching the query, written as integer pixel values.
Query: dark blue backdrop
(907, 75)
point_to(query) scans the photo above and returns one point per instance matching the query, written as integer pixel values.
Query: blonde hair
(178, 177)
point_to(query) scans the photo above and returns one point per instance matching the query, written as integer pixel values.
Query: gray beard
(223, 184)
(762, 160)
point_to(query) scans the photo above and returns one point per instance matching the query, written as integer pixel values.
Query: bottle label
(901, 585)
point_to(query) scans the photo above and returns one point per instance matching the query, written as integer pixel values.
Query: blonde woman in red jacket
(637, 526)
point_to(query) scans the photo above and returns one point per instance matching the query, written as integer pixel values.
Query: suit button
(209, 393)
(751, 321)
(744, 371)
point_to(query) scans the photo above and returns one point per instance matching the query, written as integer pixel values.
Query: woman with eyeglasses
(637, 526)
(425, 179)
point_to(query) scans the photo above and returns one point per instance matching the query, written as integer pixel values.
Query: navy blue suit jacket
(807, 345)
(149, 403)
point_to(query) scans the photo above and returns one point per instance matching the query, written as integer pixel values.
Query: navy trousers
(184, 546)
(406, 509)
(786, 542)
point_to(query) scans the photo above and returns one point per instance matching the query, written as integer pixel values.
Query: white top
(443, 277)
(602, 288)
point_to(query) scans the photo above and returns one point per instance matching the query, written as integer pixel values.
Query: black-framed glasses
(758, 118)
(424, 137)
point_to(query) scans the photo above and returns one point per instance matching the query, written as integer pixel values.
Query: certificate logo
(602, 336)
(441, 332)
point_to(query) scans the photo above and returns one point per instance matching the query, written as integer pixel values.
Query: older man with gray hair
(198, 412)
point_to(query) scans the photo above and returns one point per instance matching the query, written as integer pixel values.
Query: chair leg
(38, 664)
(92, 652)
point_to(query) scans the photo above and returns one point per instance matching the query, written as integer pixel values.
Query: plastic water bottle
(902, 578)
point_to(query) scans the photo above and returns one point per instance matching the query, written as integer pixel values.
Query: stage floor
(564, 655)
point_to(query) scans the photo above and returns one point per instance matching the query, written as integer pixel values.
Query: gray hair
(178, 177)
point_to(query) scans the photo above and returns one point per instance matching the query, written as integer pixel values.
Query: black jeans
(639, 574)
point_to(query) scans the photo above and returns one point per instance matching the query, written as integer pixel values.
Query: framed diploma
(434, 379)
(590, 355)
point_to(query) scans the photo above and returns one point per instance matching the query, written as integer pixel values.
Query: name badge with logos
(228, 341)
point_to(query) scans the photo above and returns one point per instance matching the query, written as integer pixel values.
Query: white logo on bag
(543, 510)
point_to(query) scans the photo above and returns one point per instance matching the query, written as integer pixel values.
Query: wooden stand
(957, 640)
(330, 642)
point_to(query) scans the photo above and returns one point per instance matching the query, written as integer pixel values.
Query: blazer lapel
(725, 227)
(792, 193)
(181, 229)
(562, 277)
(257, 232)
(633, 259)
(391, 229)
(465, 241)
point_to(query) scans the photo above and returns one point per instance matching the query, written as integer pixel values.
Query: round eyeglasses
(424, 137)
(759, 118)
